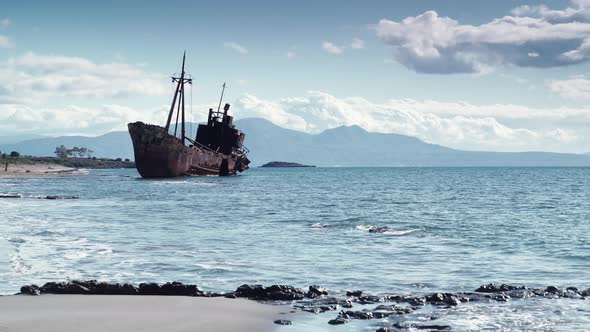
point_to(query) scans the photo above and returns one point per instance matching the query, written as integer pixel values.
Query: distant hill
(342, 146)
(115, 144)
(17, 138)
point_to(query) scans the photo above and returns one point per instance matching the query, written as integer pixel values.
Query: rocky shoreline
(316, 299)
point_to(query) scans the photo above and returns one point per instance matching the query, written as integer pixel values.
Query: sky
(476, 75)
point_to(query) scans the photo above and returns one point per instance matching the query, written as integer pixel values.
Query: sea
(439, 230)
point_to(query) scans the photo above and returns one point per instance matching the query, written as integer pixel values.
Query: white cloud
(236, 47)
(5, 22)
(357, 43)
(459, 125)
(331, 48)
(72, 119)
(6, 42)
(37, 78)
(501, 127)
(290, 55)
(433, 44)
(575, 88)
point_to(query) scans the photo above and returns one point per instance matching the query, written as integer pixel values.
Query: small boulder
(30, 290)
(283, 322)
(316, 291)
(149, 289)
(338, 321)
(180, 289)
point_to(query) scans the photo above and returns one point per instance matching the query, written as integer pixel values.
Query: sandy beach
(114, 313)
(36, 170)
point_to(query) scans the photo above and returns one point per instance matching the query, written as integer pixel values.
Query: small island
(284, 164)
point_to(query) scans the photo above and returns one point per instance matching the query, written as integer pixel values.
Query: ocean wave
(321, 225)
(16, 240)
(385, 230)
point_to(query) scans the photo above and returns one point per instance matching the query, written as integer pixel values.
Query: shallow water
(449, 229)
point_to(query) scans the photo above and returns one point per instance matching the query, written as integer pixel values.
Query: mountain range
(344, 146)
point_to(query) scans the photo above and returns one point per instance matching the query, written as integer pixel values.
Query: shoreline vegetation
(287, 301)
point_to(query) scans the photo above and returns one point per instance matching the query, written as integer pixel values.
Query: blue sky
(448, 75)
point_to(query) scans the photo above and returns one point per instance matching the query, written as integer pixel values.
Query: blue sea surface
(449, 229)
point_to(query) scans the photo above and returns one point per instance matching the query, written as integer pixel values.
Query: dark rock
(105, 288)
(364, 315)
(284, 293)
(283, 322)
(378, 229)
(417, 301)
(178, 288)
(347, 304)
(64, 288)
(384, 329)
(250, 291)
(368, 299)
(272, 293)
(230, 295)
(386, 308)
(316, 291)
(493, 288)
(390, 310)
(325, 308)
(356, 293)
(432, 327)
(502, 297)
(553, 290)
(573, 289)
(149, 289)
(30, 290)
(338, 321)
(60, 197)
(440, 299)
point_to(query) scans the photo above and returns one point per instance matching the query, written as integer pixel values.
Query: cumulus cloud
(459, 125)
(72, 119)
(534, 36)
(37, 78)
(331, 48)
(575, 88)
(236, 47)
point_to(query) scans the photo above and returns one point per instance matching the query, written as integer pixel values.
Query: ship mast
(179, 93)
(221, 98)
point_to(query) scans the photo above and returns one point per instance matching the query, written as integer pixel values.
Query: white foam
(400, 233)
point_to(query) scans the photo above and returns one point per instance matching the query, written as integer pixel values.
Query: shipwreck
(217, 149)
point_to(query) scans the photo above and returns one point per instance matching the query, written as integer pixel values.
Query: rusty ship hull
(217, 148)
(161, 155)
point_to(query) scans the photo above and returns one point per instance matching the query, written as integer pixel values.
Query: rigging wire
(191, 110)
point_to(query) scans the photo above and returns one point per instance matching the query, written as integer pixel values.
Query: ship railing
(200, 145)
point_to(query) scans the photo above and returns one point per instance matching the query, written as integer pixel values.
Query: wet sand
(115, 313)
